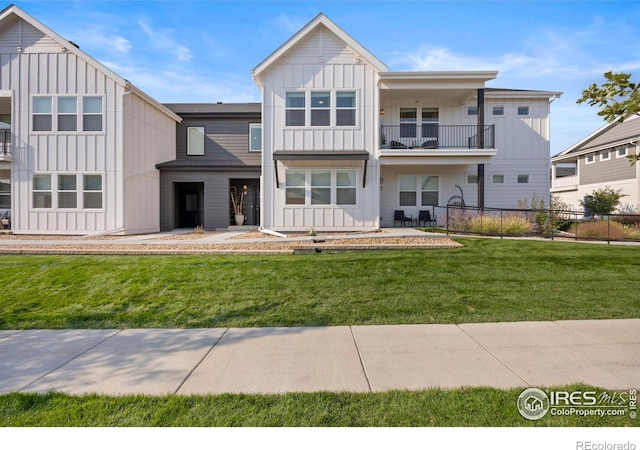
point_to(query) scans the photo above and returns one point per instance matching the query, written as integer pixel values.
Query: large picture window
(67, 191)
(427, 186)
(321, 187)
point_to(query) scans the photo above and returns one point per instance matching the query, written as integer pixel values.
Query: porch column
(480, 185)
(480, 146)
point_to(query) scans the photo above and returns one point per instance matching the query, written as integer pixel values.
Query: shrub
(508, 224)
(602, 201)
(598, 230)
(632, 232)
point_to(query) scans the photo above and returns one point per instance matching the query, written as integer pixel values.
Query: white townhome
(80, 142)
(346, 143)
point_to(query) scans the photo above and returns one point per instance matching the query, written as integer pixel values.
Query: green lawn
(461, 407)
(487, 280)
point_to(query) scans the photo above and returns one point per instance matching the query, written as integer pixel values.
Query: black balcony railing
(5, 142)
(432, 136)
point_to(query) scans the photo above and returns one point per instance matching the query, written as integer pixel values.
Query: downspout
(127, 91)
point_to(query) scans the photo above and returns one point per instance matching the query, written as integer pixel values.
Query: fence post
(501, 228)
(609, 229)
(447, 220)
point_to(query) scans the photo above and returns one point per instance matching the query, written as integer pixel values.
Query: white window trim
(621, 147)
(471, 175)
(204, 138)
(602, 157)
(504, 179)
(528, 114)
(253, 126)
(418, 190)
(334, 187)
(467, 111)
(504, 111)
(333, 108)
(79, 115)
(55, 191)
(586, 158)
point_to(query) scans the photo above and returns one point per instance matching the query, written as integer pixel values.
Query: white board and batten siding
(33, 63)
(319, 62)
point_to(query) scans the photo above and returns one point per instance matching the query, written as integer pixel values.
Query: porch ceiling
(436, 157)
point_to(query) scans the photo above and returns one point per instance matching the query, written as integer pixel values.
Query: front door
(189, 214)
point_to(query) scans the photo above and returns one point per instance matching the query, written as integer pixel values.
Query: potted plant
(238, 207)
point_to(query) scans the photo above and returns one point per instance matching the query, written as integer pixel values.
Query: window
(497, 110)
(523, 110)
(472, 110)
(42, 191)
(408, 190)
(5, 195)
(67, 114)
(345, 109)
(255, 137)
(295, 109)
(523, 179)
(67, 191)
(621, 152)
(346, 187)
(42, 114)
(320, 187)
(92, 195)
(66, 111)
(195, 141)
(589, 159)
(498, 179)
(429, 191)
(605, 155)
(472, 179)
(295, 187)
(320, 109)
(92, 114)
(408, 121)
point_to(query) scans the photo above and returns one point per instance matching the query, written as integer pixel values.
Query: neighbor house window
(472, 179)
(67, 114)
(67, 191)
(523, 179)
(5, 195)
(42, 114)
(255, 137)
(92, 191)
(295, 187)
(42, 191)
(346, 187)
(345, 109)
(472, 110)
(589, 159)
(320, 187)
(605, 155)
(523, 110)
(295, 109)
(497, 110)
(195, 141)
(621, 152)
(320, 109)
(498, 179)
(92, 114)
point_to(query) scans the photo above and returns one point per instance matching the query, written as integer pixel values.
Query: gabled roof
(320, 19)
(69, 47)
(609, 135)
(215, 109)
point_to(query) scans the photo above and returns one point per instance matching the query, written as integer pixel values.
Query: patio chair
(424, 217)
(396, 144)
(399, 216)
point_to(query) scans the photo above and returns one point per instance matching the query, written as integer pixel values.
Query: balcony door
(430, 120)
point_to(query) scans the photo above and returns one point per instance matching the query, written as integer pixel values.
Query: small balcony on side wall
(5, 145)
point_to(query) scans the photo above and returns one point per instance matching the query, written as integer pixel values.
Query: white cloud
(162, 39)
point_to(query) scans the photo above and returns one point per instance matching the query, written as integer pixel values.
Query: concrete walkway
(605, 353)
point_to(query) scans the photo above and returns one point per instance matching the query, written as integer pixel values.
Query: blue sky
(203, 51)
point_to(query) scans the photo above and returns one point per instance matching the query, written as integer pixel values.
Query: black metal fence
(5, 142)
(432, 136)
(548, 223)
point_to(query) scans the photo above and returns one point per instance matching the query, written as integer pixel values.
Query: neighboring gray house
(218, 152)
(598, 161)
(79, 142)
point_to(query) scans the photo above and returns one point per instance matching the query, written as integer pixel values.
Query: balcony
(432, 136)
(562, 184)
(5, 145)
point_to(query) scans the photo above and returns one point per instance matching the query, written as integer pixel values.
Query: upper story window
(497, 110)
(590, 158)
(320, 109)
(255, 137)
(605, 155)
(295, 109)
(497, 179)
(523, 179)
(408, 121)
(621, 151)
(523, 110)
(65, 113)
(472, 110)
(195, 141)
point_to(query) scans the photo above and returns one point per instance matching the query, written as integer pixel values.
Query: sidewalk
(604, 353)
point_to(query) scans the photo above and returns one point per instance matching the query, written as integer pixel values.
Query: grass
(477, 407)
(487, 280)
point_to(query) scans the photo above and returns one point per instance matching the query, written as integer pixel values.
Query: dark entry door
(189, 208)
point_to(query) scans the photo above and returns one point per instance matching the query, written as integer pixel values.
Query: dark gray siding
(614, 169)
(216, 204)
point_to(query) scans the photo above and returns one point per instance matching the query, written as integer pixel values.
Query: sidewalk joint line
(70, 360)
(200, 362)
(364, 370)
(495, 356)
(596, 341)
